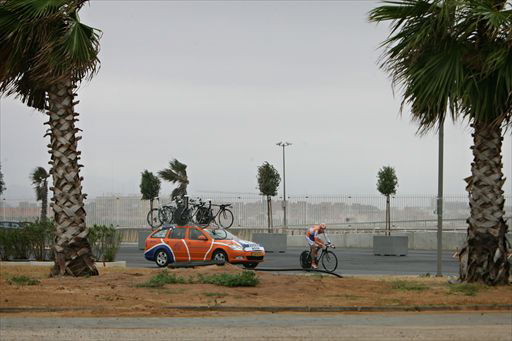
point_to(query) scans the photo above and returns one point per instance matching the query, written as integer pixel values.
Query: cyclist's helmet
(323, 226)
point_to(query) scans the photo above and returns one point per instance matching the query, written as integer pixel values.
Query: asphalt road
(350, 261)
(376, 326)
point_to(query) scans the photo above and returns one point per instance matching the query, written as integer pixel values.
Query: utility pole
(284, 145)
(440, 201)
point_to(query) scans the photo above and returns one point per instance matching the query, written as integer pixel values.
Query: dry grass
(116, 291)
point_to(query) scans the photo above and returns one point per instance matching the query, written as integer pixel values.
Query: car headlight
(235, 247)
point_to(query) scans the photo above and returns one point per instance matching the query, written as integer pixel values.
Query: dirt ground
(114, 292)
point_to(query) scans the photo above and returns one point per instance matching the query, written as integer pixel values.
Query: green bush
(244, 279)
(23, 280)
(408, 286)
(6, 244)
(468, 289)
(35, 240)
(105, 242)
(162, 279)
(40, 237)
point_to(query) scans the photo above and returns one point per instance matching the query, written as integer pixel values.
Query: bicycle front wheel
(329, 261)
(225, 218)
(152, 218)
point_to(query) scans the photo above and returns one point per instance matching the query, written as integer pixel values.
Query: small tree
(176, 173)
(387, 184)
(2, 183)
(268, 182)
(149, 188)
(39, 177)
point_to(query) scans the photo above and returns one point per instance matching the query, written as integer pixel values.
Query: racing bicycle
(326, 257)
(223, 217)
(161, 215)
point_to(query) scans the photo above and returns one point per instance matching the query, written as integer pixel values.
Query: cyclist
(315, 243)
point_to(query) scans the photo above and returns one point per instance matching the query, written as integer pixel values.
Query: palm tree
(46, 51)
(453, 57)
(268, 182)
(39, 179)
(176, 173)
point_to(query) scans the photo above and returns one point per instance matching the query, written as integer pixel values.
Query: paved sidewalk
(477, 326)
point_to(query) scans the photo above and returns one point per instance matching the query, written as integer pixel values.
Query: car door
(198, 243)
(178, 245)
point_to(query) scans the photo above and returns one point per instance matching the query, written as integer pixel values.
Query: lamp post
(439, 272)
(284, 145)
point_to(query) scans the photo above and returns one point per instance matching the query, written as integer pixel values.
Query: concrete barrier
(390, 245)
(417, 240)
(272, 242)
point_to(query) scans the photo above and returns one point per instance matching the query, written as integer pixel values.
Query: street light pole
(440, 201)
(284, 144)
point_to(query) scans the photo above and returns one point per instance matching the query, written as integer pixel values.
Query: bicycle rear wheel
(182, 216)
(225, 218)
(165, 215)
(203, 216)
(152, 218)
(329, 261)
(305, 259)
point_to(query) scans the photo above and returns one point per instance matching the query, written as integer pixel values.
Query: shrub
(23, 280)
(468, 289)
(408, 286)
(244, 279)
(40, 237)
(162, 279)
(105, 241)
(20, 243)
(6, 244)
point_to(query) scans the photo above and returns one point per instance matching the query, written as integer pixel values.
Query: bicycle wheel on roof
(225, 218)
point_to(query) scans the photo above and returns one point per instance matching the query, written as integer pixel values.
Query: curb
(119, 264)
(305, 309)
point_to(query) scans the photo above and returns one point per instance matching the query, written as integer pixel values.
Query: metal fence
(359, 212)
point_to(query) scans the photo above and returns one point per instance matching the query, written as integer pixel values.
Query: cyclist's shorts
(311, 240)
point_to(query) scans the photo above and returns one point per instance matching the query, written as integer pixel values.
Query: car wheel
(161, 258)
(220, 256)
(250, 265)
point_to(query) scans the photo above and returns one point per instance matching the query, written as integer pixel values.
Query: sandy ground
(114, 292)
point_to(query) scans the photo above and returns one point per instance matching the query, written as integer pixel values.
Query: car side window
(177, 233)
(194, 234)
(160, 234)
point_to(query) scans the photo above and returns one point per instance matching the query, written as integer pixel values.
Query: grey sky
(217, 84)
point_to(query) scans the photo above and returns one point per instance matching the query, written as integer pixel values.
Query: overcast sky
(216, 84)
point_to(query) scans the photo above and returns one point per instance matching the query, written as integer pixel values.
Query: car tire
(220, 256)
(161, 258)
(250, 265)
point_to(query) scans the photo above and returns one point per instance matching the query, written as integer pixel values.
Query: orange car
(190, 243)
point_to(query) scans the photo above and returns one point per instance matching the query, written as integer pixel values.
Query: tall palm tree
(46, 52)
(39, 179)
(176, 173)
(454, 58)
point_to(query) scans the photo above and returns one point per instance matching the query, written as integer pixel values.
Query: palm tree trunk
(484, 256)
(44, 203)
(73, 254)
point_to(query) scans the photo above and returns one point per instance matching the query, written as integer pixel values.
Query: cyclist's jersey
(312, 233)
